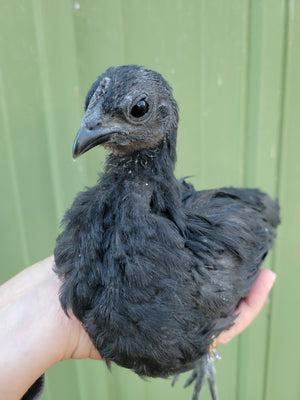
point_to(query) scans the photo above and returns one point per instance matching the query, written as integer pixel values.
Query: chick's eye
(139, 109)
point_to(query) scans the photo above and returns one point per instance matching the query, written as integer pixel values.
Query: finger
(79, 343)
(250, 306)
(85, 348)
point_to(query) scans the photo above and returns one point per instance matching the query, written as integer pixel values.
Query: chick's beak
(87, 138)
(93, 133)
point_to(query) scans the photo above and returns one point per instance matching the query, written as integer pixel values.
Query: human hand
(247, 310)
(38, 333)
(71, 339)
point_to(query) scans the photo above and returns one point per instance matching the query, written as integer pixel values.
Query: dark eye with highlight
(140, 109)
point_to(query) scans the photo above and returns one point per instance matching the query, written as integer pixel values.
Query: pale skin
(36, 334)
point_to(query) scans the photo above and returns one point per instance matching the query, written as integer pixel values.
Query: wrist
(33, 336)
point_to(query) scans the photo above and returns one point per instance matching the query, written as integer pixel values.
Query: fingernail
(274, 276)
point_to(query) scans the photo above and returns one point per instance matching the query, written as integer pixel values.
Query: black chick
(152, 268)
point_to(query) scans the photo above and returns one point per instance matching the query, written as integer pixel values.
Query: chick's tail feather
(36, 389)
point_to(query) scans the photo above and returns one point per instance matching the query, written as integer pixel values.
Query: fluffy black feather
(152, 268)
(35, 391)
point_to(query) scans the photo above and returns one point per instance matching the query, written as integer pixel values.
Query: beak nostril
(92, 126)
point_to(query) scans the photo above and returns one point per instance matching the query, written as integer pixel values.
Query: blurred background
(235, 70)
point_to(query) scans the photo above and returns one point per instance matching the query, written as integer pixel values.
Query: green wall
(235, 69)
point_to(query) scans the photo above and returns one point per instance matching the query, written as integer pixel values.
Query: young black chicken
(152, 268)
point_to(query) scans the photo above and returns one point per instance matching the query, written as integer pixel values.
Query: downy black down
(152, 268)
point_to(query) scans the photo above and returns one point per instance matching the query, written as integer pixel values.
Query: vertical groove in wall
(13, 173)
(246, 79)
(246, 85)
(285, 44)
(46, 90)
(202, 94)
(123, 24)
(79, 372)
(239, 371)
(253, 92)
(283, 95)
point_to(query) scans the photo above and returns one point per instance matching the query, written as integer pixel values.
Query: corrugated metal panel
(234, 67)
